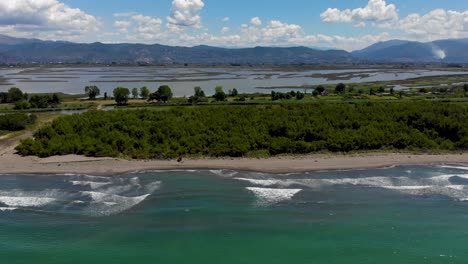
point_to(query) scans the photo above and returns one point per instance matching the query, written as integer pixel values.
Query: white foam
(91, 184)
(5, 209)
(152, 187)
(406, 187)
(108, 204)
(269, 196)
(224, 173)
(135, 181)
(265, 183)
(16, 201)
(456, 187)
(454, 167)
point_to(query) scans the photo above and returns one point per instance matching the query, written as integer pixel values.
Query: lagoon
(72, 80)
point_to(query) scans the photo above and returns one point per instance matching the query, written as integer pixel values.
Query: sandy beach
(12, 163)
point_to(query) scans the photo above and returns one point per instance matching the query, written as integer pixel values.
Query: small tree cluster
(121, 95)
(164, 94)
(13, 95)
(92, 92)
(219, 94)
(340, 88)
(198, 97)
(280, 96)
(15, 122)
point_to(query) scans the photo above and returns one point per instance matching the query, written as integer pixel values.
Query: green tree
(320, 89)
(3, 97)
(198, 97)
(465, 87)
(340, 88)
(165, 93)
(121, 95)
(199, 92)
(219, 94)
(135, 93)
(144, 92)
(22, 104)
(15, 94)
(299, 96)
(381, 89)
(233, 92)
(92, 92)
(40, 101)
(55, 99)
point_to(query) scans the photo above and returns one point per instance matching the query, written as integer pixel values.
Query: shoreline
(73, 164)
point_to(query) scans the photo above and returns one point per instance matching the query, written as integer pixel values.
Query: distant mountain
(28, 51)
(401, 51)
(23, 51)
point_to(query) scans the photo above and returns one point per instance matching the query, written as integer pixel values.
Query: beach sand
(12, 163)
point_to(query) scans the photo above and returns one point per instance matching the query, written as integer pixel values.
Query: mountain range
(27, 51)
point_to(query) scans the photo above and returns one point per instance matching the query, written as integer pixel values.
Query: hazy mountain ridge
(27, 51)
(401, 51)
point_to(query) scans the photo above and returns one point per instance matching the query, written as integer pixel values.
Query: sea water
(408, 214)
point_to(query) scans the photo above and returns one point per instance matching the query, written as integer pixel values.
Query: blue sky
(350, 24)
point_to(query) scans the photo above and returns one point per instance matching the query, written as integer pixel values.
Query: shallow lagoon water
(409, 214)
(182, 80)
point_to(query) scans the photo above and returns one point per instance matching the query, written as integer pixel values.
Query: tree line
(241, 130)
(25, 101)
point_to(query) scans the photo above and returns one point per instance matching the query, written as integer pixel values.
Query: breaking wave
(224, 173)
(454, 186)
(93, 185)
(267, 196)
(82, 194)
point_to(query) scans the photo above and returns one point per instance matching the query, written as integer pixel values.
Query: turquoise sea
(408, 214)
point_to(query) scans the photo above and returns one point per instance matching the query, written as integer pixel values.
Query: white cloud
(45, 18)
(375, 11)
(340, 42)
(124, 14)
(122, 24)
(256, 21)
(185, 13)
(436, 24)
(277, 31)
(360, 25)
(226, 19)
(225, 29)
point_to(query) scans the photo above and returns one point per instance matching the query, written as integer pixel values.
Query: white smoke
(438, 53)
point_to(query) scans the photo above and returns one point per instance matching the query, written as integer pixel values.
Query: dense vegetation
(15, 122)
(255, 130)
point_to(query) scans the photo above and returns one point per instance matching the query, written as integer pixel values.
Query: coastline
(16, 164)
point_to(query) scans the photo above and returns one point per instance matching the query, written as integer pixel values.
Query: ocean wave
(265, 183)
(109, 204)
(224, 173)
(91, 184)
(25, 201)
(162, 171)
(267, 196)
(443, 185)
(152, 187)
(458, 167)
(407, 187)
(6, 209)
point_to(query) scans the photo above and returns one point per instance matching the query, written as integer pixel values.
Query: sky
(340, 24)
